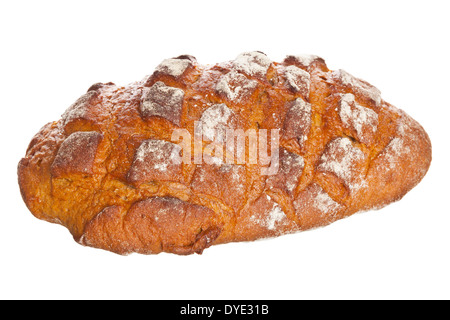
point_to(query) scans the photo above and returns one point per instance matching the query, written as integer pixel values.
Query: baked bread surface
(105, 169)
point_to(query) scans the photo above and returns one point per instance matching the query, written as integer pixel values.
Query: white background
(52, 51)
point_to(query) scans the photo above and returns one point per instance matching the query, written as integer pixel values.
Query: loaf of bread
(168, 163)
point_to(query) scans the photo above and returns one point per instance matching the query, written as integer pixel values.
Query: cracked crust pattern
(105, 170)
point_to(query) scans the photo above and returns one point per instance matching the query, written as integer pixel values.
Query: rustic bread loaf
(111, 171)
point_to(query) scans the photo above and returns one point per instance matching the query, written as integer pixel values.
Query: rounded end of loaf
(33, 172)
(401, 165)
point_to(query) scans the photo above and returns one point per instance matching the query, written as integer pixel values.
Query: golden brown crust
(105, 172)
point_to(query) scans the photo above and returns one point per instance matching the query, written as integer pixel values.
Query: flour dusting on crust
(289, 172)
(173, 67)
(343, 159)
(77, 153)
(297, 123)
(298, 80)
(214, 122)
(358, 118)
(235, 86)
(304, 60)
(397, 148)
(224, 181)
(314, 204)
(162, 101)
(157, 150)
(271, 218)
(156, 160)
(324, 203)
(360, 86)
(252, 63)
(81, 107)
